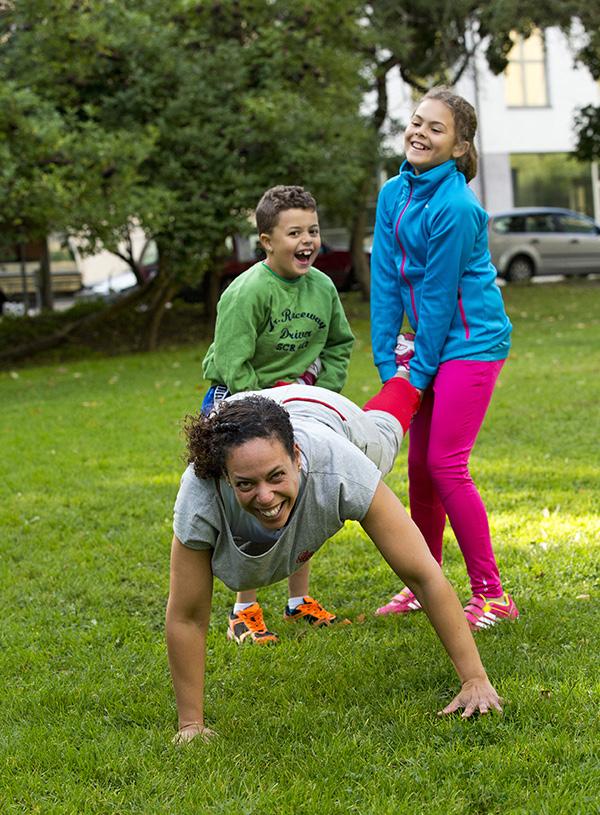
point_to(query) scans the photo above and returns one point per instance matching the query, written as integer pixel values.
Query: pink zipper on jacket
(463, 316)
(402, 272)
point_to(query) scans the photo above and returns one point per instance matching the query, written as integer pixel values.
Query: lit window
(525, 75)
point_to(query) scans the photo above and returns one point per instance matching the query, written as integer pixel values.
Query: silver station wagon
(532, 241)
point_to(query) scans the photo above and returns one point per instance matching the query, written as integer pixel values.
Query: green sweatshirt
(270, 329)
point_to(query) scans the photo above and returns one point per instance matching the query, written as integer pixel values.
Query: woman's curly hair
(236, 421)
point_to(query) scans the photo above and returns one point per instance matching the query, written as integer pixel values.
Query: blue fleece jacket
(431, 261)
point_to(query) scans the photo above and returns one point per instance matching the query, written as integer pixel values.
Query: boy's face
(293, 244)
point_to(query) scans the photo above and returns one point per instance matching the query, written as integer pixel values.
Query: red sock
(397, 397)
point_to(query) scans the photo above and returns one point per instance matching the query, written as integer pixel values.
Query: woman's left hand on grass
(476, 695)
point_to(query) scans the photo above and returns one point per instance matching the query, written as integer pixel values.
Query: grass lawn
(340, 721)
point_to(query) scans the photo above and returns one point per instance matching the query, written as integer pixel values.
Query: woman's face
(265, 479)
(430, 138)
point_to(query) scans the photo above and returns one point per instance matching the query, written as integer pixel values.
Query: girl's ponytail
(467, 164)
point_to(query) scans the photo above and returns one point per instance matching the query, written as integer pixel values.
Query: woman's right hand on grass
(191, 731)
(476, 696)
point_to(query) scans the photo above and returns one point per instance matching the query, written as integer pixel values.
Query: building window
(525, 75)
(552, 180)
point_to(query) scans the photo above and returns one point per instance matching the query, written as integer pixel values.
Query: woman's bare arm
(403, 547)
(188, 614)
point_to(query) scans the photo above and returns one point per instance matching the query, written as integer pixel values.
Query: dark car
(532, 241)
(244, 252)
(335, 263)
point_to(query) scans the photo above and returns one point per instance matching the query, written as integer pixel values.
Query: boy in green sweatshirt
(280, 321)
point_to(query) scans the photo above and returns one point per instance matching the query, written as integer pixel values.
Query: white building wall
(504, 130)
(101, 267)
(493, 184)
(532, 130)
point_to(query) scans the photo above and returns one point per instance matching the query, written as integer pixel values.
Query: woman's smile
(265, 480)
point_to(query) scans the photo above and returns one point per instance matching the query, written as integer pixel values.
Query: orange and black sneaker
(249, 625)
(311, 612)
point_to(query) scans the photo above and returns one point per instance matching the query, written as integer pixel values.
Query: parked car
(335, 263)
(244, 252)
(532, 241)
(117, 285)
(108, 290)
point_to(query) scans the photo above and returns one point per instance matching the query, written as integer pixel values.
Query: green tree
(33, 183)
(274, 90)
(181, 114)
(587, 129)
(61, 171)
(587, 119)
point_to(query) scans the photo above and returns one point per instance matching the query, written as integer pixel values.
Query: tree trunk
(362, 271)
(38, 345)
(357, 238)
(45, 279)
(165, 291)
(134, 264)
(212, 295)
(23, 270)
(64, 334)
(164, 287)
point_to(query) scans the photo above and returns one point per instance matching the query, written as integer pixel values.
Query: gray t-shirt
(338, 483)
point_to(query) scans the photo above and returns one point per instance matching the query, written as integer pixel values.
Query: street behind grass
(335, 721)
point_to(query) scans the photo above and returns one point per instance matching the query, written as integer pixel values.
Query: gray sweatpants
(377, 433)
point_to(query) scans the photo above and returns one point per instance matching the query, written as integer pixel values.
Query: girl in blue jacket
(431, 262)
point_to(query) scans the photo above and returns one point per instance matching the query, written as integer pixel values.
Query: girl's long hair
(465, 126)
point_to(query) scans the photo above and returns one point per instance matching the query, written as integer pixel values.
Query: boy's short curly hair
(276, 200)
(210, 438)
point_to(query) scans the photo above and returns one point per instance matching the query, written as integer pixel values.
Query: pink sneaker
(483, 613)
(404, 352)
(402, 603)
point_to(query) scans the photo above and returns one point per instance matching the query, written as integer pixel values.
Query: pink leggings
(442, 435)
